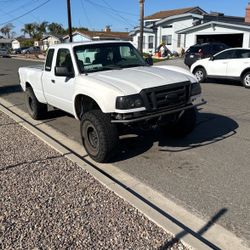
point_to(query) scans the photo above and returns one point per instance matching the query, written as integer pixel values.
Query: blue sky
(121, 15)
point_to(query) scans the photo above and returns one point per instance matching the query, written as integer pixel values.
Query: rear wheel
(99, 135)
(246, 80)
(36, 109)
(200, 74)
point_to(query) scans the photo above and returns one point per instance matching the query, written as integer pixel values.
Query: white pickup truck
(108, 85)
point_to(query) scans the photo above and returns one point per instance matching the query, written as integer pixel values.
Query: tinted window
(49, 59)
(194, 49)
(229, 54)
(244, 53)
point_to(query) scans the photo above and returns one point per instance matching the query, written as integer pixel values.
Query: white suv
(230, 63)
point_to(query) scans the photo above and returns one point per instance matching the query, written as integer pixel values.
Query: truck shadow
(210, 128)
(8, 89)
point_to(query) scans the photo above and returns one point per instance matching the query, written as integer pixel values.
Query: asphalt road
(207, 172)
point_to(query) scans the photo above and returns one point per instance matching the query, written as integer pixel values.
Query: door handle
(53, 81)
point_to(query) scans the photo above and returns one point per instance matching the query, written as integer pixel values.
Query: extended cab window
(64, 59)
(49, 59)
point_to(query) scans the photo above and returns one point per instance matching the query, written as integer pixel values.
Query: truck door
(58, 90)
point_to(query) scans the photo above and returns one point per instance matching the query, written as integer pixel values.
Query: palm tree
(29, 28)
(56, 28)
(42, 27)
(6, 30)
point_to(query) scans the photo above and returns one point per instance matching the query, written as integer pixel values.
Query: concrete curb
(155, 206)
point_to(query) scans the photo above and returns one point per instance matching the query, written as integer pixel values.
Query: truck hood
(133, 80)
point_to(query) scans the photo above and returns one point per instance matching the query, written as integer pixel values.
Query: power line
(9, 13)
(110, 14)
(85, 12)
(26, 13)
(115, 11)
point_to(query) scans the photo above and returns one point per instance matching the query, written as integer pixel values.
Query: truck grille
(166, 97)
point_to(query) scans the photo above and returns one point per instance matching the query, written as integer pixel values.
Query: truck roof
(73, 44)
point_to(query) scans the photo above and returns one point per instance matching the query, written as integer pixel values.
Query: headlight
(129, 102)
(195, 89)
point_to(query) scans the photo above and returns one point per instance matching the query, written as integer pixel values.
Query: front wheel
(200, 74)
(184, 125)
(246, 80)
(36, 109)
(99, 135)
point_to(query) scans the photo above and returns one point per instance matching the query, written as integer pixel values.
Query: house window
(167, 39)
(143, 44)
(150, 42)
(179, 41)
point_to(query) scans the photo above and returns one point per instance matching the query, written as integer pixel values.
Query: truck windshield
(107, 56)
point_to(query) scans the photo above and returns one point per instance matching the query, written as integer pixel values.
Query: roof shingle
(168, 13)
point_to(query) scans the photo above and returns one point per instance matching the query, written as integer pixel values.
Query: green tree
(29, 28)
(6, 30)
(35, 30)
(56, 29)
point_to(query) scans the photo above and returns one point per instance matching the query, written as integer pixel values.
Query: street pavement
(207, 172)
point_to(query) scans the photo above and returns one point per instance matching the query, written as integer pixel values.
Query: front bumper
(145, 116)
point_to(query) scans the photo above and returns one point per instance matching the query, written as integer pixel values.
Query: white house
(9, 43)
(182, 28)
(50, 40)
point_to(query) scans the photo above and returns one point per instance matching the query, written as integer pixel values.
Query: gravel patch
(48, 202)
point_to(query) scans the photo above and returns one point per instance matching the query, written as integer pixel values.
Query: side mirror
(63, 71)
(211, 58)
(149, 60)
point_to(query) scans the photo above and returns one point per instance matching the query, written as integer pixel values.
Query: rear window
(194, 49)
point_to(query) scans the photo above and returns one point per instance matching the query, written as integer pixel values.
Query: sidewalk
(49, 202)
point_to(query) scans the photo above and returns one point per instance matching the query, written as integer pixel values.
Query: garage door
(232, 40)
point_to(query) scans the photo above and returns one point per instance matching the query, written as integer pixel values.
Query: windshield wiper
(132, 65)
(112, 67)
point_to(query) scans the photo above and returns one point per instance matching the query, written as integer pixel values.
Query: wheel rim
(199, 75)
(90, 138)
(247, 80)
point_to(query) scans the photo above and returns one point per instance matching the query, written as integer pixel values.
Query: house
(9, 43)
(87, 35)
(182, 28)
(49, 40)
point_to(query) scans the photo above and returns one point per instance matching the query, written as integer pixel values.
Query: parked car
(230, 63)
(31, 50)
(4, 52)
(16, 51)
(203, 50)
(24, 49)
(109, 86)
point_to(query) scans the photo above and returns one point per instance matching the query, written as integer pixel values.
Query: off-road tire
(246, 80)
(184, 125)
(99, 135)
(200, 74)
(36, 109)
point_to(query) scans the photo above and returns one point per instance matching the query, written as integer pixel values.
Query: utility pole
(141, 25)
(69, 21)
